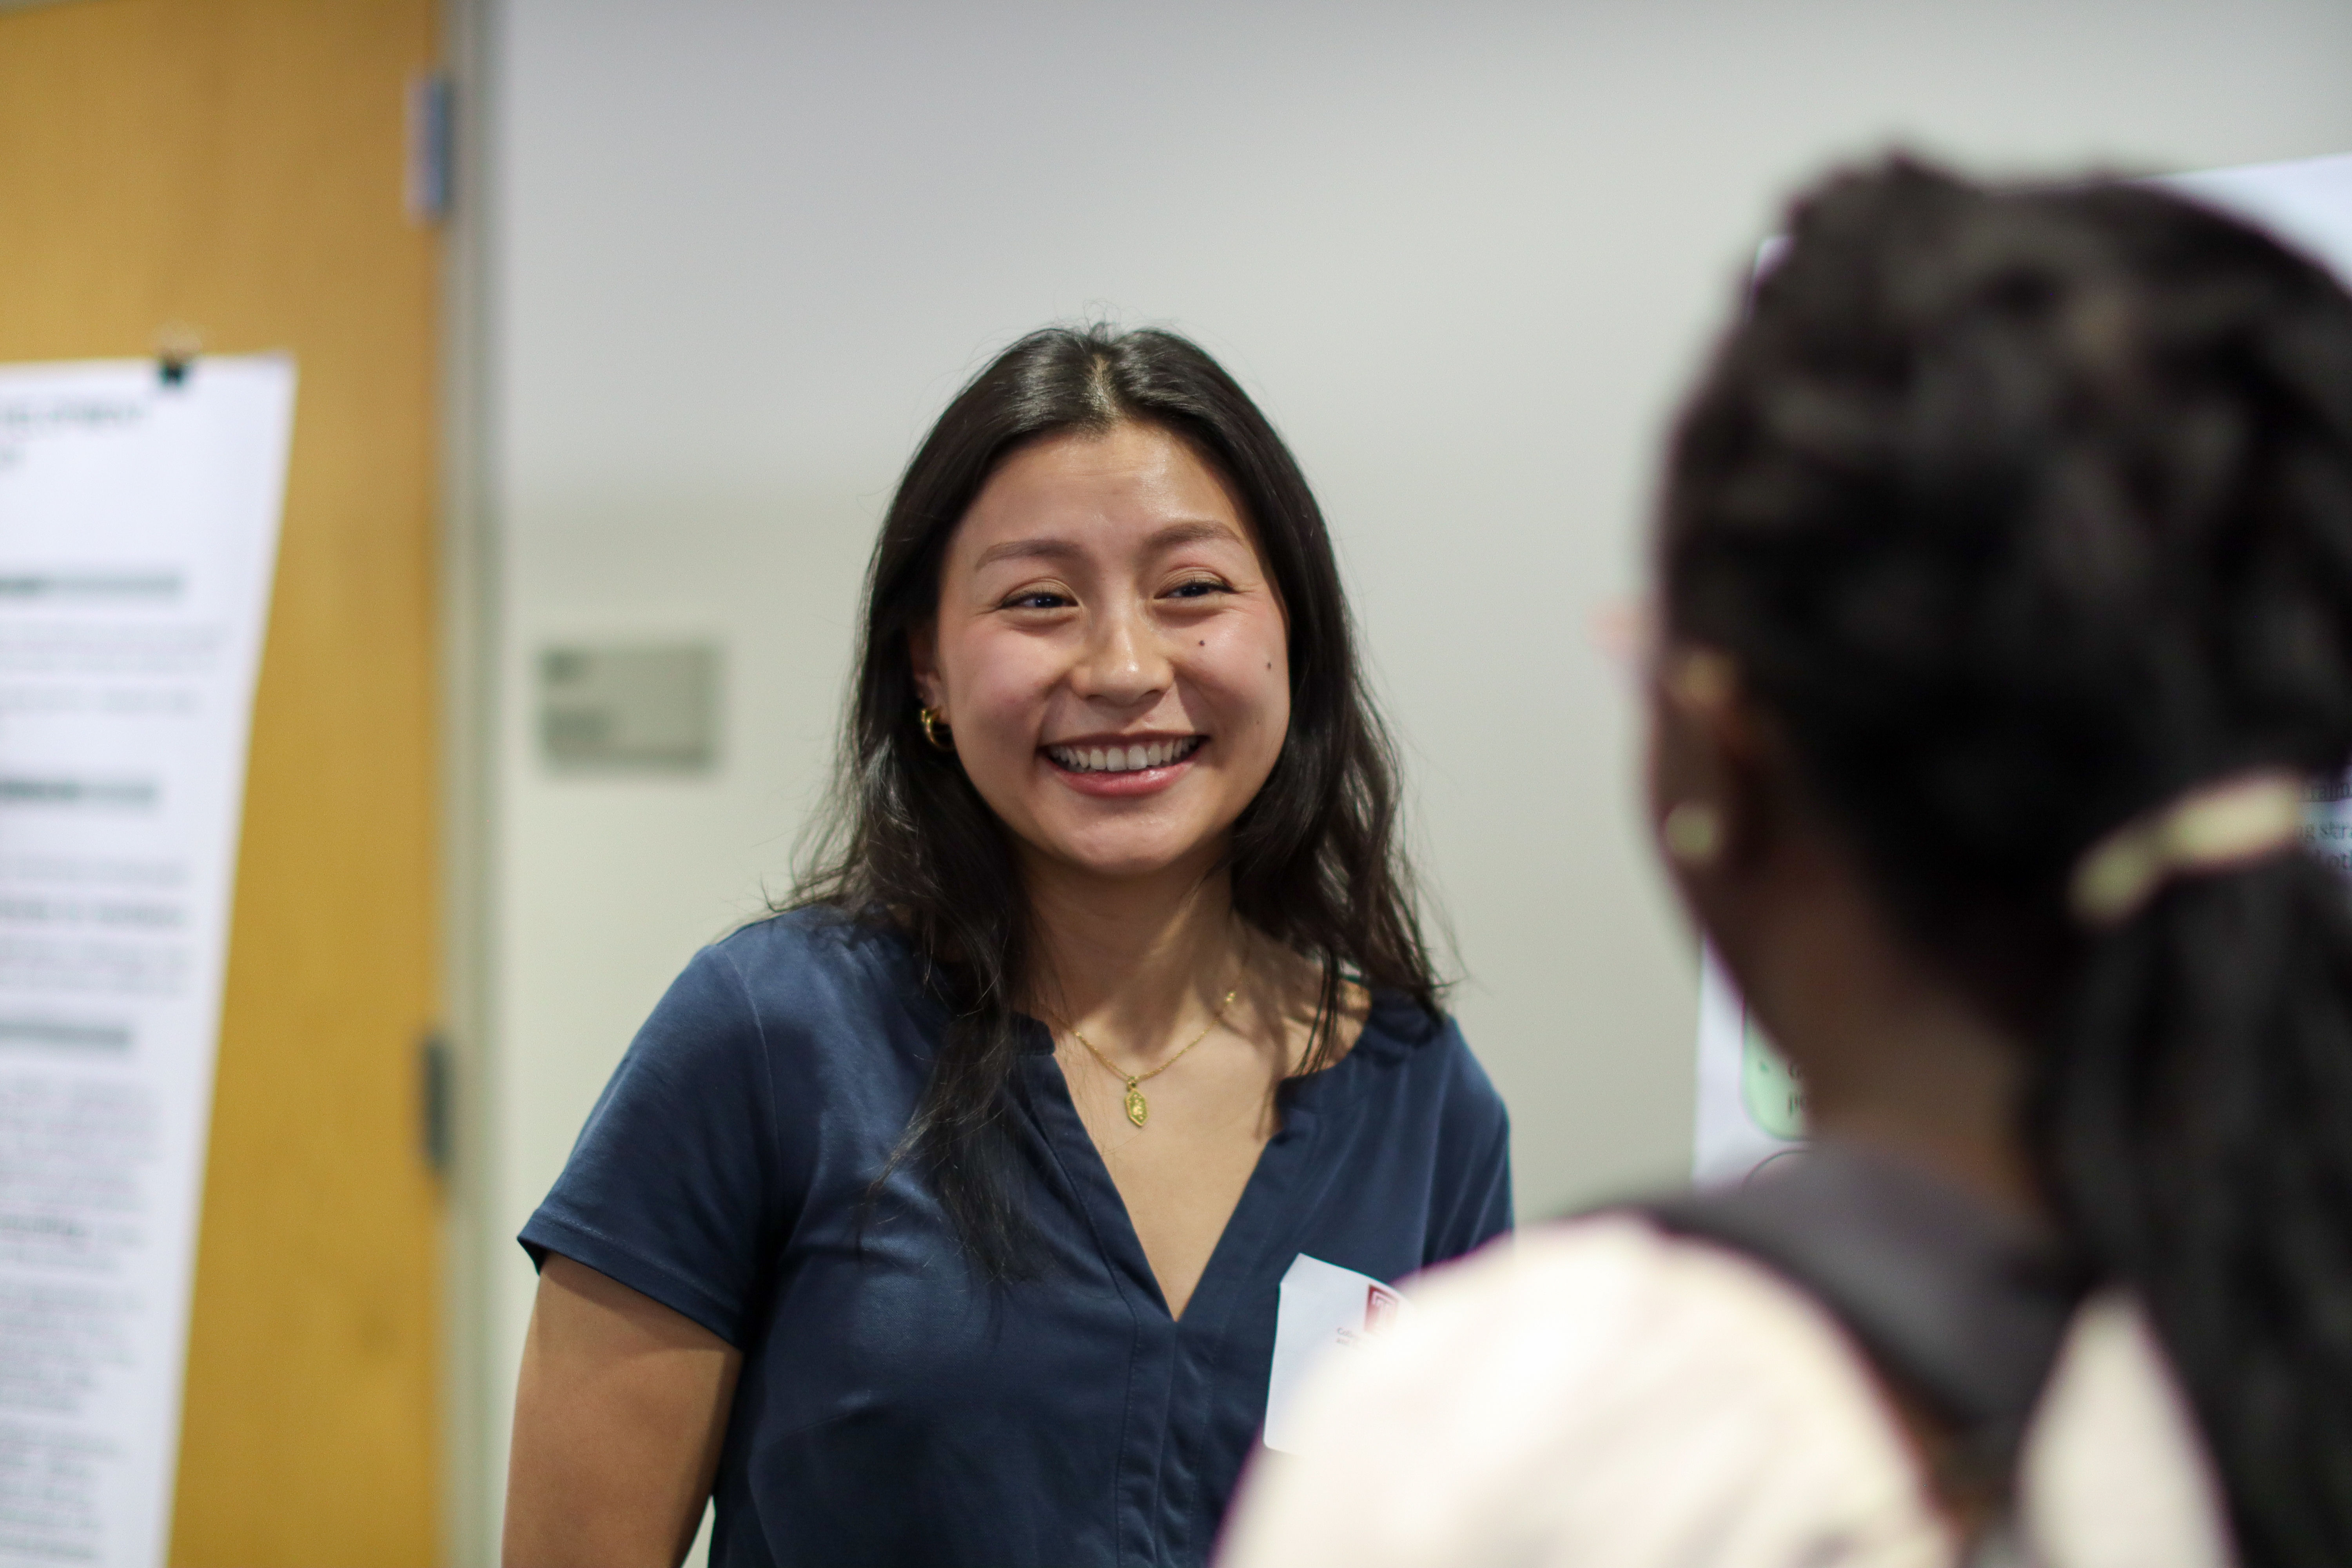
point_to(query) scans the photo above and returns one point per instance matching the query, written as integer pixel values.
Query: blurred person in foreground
(943, 1217)
(2006, 575)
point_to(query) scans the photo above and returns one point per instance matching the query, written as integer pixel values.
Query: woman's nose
(1123, 662)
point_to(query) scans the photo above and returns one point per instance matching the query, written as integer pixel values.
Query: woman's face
(1110, 652)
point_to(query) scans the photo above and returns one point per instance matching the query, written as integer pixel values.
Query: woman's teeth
(1123, 759)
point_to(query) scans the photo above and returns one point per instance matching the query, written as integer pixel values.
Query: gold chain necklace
(1138, 1109)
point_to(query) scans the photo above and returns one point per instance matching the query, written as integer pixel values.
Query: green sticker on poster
(1770, 1087)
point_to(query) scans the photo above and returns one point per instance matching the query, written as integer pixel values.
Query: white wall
(737, 254)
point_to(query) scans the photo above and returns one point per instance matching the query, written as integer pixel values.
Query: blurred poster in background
(139, 515)
(1752, 1108)
(2327, 822)
(1751, 1103)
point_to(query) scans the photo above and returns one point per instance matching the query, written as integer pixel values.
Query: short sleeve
(670, 1187)
(1475, 1205)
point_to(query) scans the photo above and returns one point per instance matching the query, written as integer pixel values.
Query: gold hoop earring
(940, 737)
(1693, 834)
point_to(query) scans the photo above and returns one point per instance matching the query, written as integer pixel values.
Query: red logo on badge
(1381, 1307)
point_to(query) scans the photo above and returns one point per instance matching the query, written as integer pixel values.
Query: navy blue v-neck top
(891, 1408)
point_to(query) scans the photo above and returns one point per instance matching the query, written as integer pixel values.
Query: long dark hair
(1315, 862)
(2025, 510)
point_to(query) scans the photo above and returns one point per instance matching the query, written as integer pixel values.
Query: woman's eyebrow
(1014, 549)
(1193, 533)
(1169, 536)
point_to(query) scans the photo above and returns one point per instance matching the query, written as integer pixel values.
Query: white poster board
(2308, 203)
(138, 537)
(1751, 1105)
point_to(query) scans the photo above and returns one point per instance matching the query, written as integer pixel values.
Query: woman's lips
(1105, 784)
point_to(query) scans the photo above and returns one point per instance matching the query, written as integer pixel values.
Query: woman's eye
(1197, 588)
(1038, 599)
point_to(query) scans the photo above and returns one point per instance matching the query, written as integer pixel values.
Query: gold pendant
(1137, 1110)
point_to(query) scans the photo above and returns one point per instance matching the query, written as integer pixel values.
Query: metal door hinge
(432, 145)
(437, 1089)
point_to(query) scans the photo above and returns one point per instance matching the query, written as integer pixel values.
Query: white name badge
(1325, 1309)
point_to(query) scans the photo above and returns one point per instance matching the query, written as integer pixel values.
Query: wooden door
(236, 166)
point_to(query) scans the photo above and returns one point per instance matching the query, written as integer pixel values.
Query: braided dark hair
(2023, 510)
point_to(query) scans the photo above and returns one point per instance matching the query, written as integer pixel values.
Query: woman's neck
(1892, 1053)
(1136, 957)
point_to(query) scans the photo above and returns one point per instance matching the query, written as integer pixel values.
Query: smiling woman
(1109, 631)
(878, 1231)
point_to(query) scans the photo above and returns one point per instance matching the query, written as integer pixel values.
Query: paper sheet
(137, 535)
(1324, 1310)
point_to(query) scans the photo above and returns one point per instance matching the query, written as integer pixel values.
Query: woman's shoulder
(1610, 1302)
(1588, 1289)
(1597, 1391)
(801, 975)
(1425, 1046)
(813, 952)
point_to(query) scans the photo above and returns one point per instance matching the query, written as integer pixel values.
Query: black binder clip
(176, 348)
